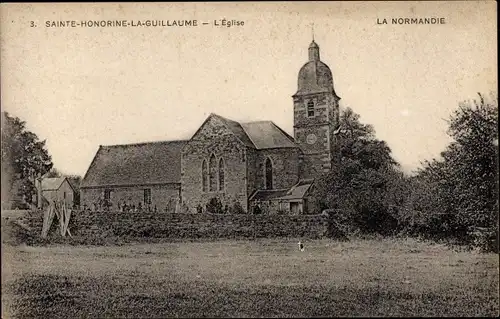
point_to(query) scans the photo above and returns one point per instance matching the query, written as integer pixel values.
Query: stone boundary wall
(95, 227)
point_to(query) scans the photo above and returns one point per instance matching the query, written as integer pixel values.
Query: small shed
(293, 200)
(57, 189)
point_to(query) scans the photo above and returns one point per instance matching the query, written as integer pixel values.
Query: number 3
(32, 24)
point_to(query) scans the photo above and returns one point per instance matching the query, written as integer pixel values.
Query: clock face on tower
(311, 139)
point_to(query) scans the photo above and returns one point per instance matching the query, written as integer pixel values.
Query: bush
(283, 212)
(214, 206)
(486, 239)
(236, 208)
(257, 210)
(199, 209)
(375, 218)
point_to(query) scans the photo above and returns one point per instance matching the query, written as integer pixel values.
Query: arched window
(204, 175)
(269, 174)
(310, 108)
(221, 174)
(212, 169)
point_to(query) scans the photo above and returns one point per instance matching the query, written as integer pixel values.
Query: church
(254, 165)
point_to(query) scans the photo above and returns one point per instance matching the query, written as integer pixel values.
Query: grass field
(248, 279)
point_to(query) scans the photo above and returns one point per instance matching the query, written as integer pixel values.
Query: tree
(356, 142)
(361, 173)
(24, 158)
(464, 181)
(472, 160)
(54, 172)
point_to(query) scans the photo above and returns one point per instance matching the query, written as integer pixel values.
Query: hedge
(89, 227)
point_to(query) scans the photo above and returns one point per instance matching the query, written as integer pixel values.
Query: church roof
(237, 130)
(135, 164)
(259, 134)
(313, 45)
(315, 76)
(266, 134)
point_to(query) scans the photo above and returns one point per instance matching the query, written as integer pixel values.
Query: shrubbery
(448, 199)
(214, 206)
(236, 208)
(114, 227)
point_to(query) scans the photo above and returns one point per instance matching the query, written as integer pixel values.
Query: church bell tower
(316, 115)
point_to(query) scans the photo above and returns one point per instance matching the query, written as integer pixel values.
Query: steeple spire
(313, 47)
(313, 51)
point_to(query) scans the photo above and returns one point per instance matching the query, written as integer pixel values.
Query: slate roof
(298, 191)
(315, 76)
(266, 134)
(160, 162)
(135, 164)
(260, 134)
(237, 130)
(52, 183)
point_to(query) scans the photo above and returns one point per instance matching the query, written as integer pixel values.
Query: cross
(312, 30)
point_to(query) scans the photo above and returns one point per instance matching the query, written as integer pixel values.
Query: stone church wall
(161, 196)
(285, 167)
(312, 163)
(253, 182)
(214, 138)
(321, 110)
(318, 156)
(286, 164)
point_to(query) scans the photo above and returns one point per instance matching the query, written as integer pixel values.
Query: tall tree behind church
(362, 172)
(24, 158)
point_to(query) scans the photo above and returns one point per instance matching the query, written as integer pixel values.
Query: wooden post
(38, 184)
(253, 224)
(58, 210)
(62, 218)
(63, 214)
(47, 220)
(67, 216)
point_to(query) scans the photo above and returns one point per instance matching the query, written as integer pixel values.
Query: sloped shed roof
(52, 183)
(135, 164)
(298, 191)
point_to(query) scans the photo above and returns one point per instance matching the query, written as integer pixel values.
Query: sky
(81, 87)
